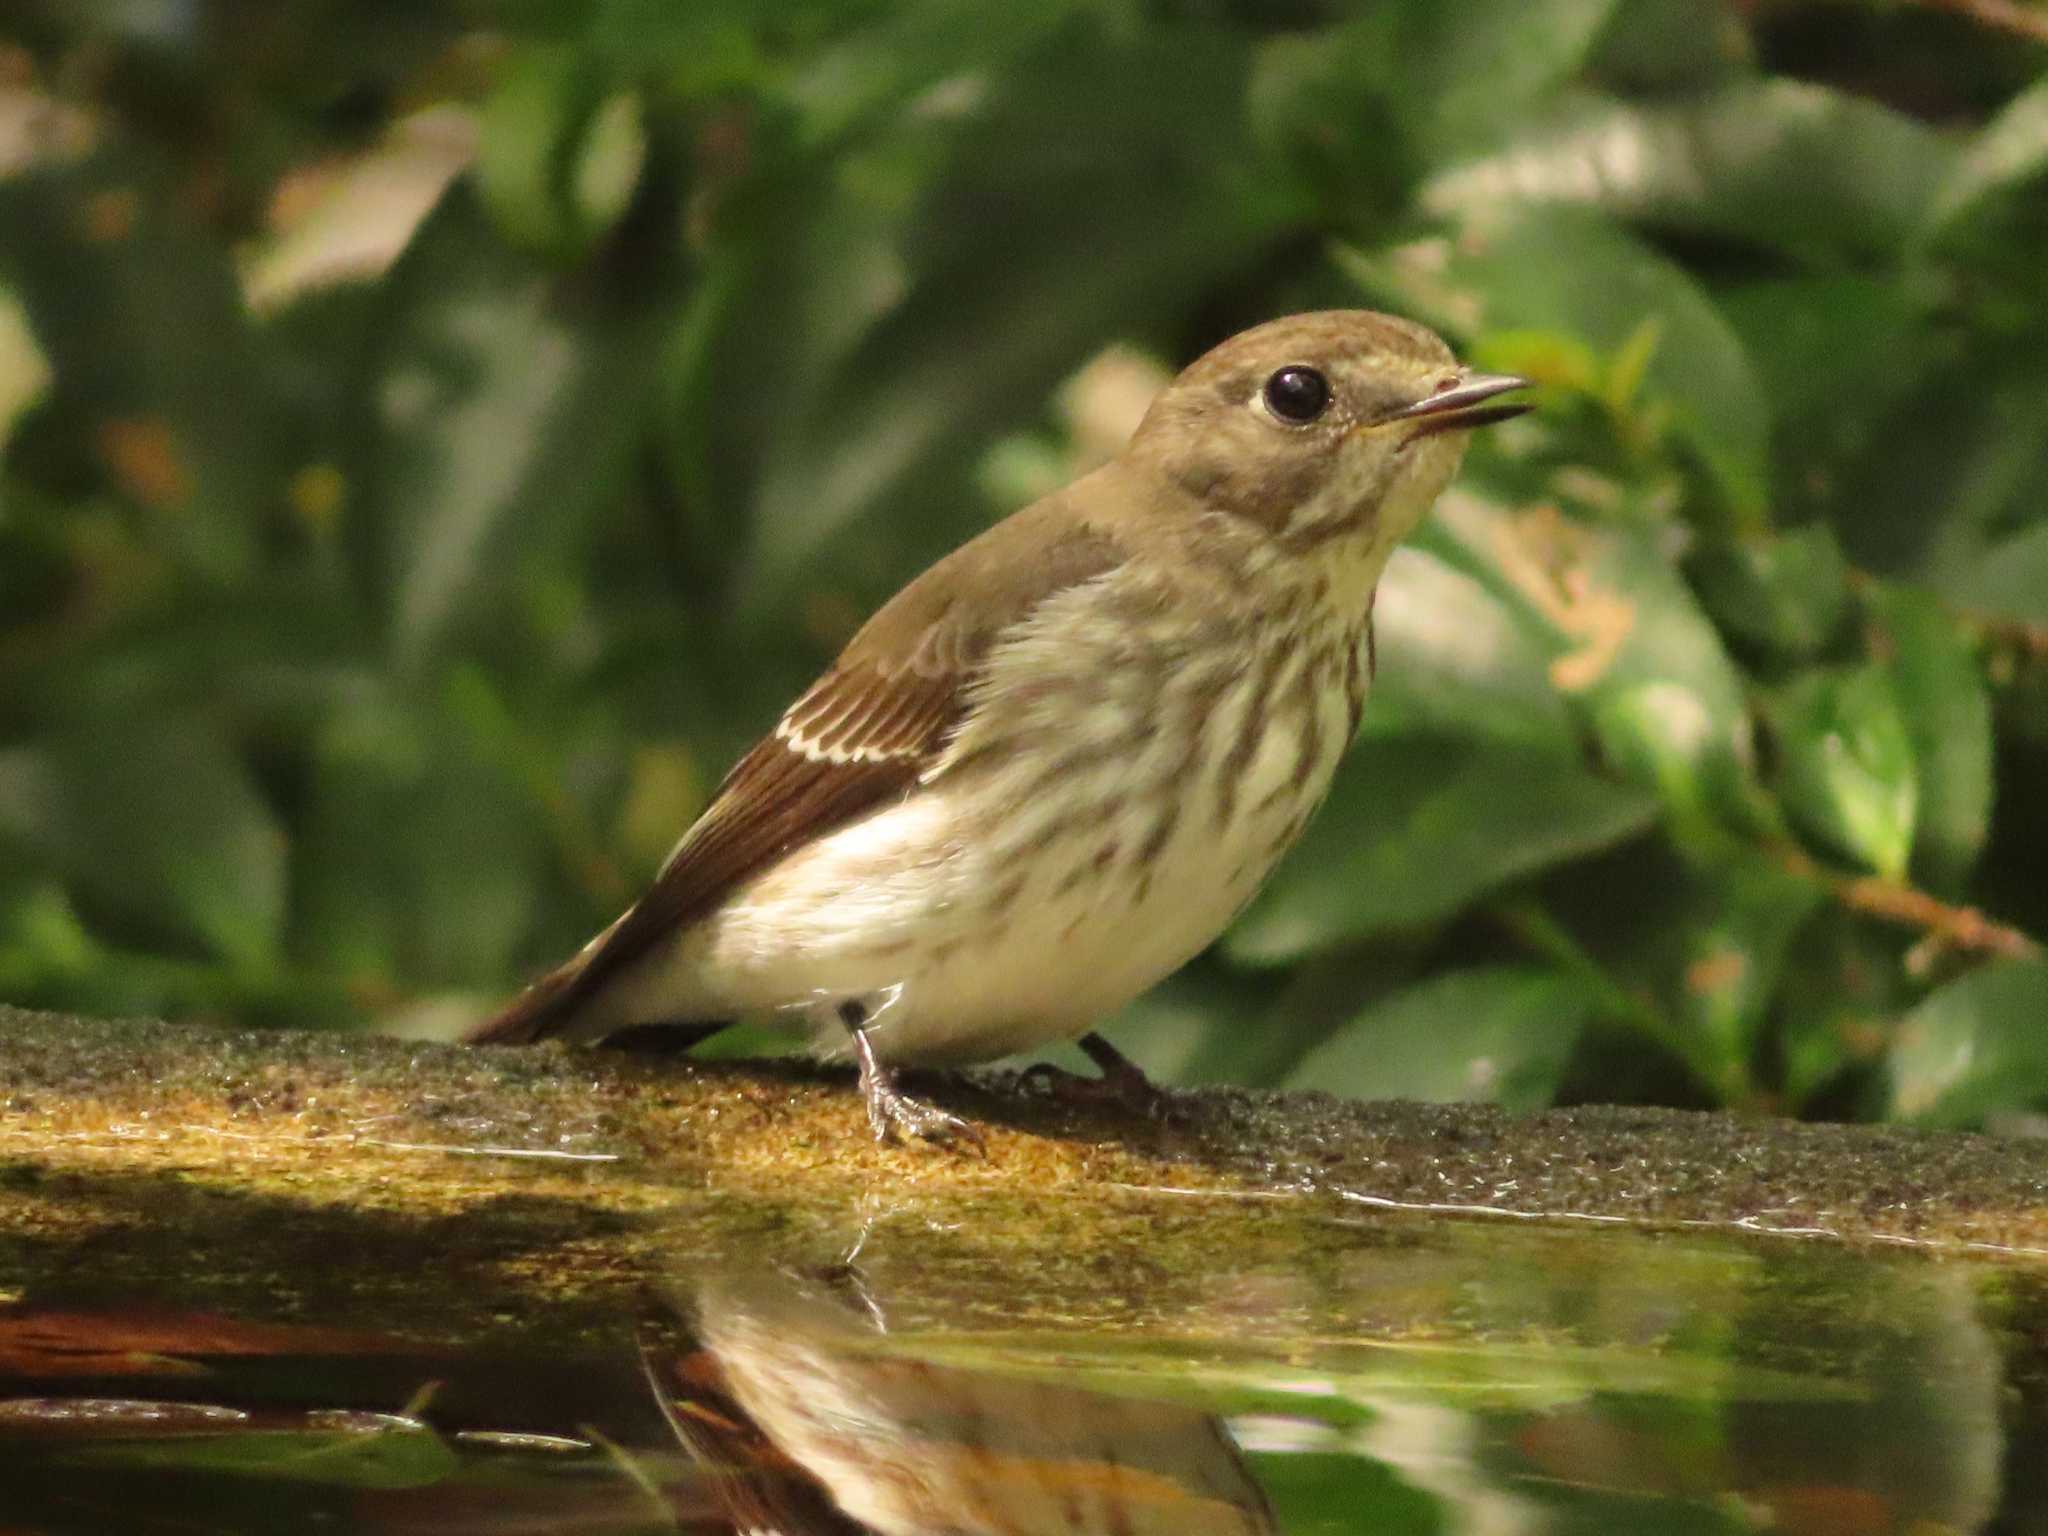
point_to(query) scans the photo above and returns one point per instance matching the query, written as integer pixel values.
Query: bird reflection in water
(803, 1424)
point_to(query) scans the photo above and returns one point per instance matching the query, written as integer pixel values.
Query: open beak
(1463, 406)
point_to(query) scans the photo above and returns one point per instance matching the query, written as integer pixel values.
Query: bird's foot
(893, 1114)
(1122, 1082)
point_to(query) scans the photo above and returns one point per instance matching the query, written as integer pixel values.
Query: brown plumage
(1052, 767)
(864, 731)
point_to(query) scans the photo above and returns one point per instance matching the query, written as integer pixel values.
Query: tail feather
(555, 1005)
(550, 1005)
(545, 1008)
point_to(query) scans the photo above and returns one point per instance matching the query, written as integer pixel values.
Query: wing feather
(864, 732)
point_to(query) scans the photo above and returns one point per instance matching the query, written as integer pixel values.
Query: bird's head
(1316, 426)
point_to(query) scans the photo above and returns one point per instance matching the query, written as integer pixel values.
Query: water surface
(874, 1372)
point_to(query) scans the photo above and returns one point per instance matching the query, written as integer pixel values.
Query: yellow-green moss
(333, 1176)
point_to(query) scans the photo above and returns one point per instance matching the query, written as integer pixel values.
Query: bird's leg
(1124, 1077)
(1122, 1080)
(890, 1110)
(848, 1276)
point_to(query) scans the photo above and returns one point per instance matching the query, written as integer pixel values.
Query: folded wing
(862, 734)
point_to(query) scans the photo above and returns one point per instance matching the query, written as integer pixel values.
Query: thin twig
(1968, 930)
(1527, 921)
(2025, 641)
(1956, 927)
(2025, 638)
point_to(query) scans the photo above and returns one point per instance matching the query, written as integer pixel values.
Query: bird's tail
(550, 1005)
(567, 1002)
(543, 1009)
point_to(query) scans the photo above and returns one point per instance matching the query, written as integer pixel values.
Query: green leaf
(1836, 354)
(157, 827)
(155, 370)
(421, 857)
(1990, 206)
(1785, 596)
(1653, 734)
(1259, 1034)
(1974, 1047)
(1780, 163)
(1629, 650)
(1495, 1034)
(1840, 994)
(1701, 927)
(1669, 707)
(1329, 1493)
(1949, 487)
(558, 156)
(1946, 706)
(1848, 776)
(1120, 152)
(505, 414)
(792, 299)
(24, 372)
(262, 660)
(605, 166)
(1417, 828)
(399, 1455)
(1831, 350)
(1468, 74)
(1412, 82)
(871, 71)
(1573, 272)
(1665, 47)
(1454, 658)
(1319, 112)
(2010, 578)
(49, 957)
(697, 53)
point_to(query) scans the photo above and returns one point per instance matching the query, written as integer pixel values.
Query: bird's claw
(1130, 1090)
(894, 1114)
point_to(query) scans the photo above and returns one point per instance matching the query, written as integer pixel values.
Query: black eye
(1297, 394)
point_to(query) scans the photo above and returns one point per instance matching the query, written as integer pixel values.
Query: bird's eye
(1297, 394)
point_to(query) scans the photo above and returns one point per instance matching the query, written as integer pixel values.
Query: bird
(1056, 765)
(795, 1423)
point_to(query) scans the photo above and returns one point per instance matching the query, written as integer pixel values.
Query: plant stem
(1727, 1081)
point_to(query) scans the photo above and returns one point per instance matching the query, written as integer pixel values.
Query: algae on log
(331, 1176)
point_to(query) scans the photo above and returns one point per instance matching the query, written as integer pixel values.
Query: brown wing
(861, 734)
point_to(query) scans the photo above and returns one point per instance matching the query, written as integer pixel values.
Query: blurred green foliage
(438, 437)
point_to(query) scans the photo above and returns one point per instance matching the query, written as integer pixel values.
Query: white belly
(988, 912)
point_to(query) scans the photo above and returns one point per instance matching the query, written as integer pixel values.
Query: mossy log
(318, 1175)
